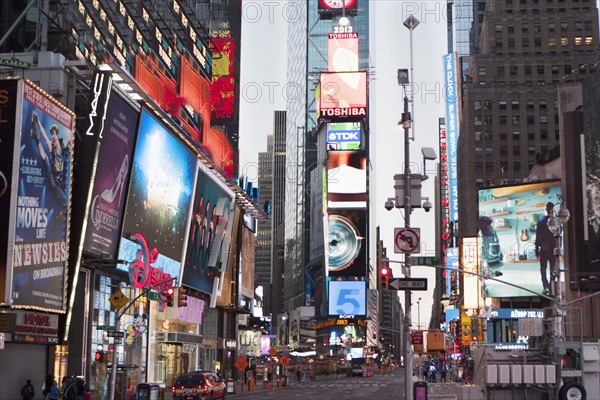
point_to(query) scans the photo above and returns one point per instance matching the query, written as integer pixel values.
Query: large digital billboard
(346, 246)
(112, 179)
(515, 243)
(342, 51)
(222, 96)
(452, 130)
(343, 95)
(347, 179)
(337, 6)
(44, 187)
(343, 136)
(158, 203)
(347, 298)
(210, 233)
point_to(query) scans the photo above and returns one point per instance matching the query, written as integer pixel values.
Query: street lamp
(555, 225)
(419, 311)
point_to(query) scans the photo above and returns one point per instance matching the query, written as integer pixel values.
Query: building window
(537, 41)
(478, 136)
(513, 69)
(552, 42)
(530, 119)
(516, 167)
(557, 134)
(489, 150)
(564, 41)
(530, 104)
(489, 168)
(531, 135)
(540, 69)
(589, 40)
(525, 41)
(544, 150)
(543, 119)
(511, 43)
(498, 42)
(477, 105)
(531, 150)
(516, 120)
(478, 151)
(481, 71)
(515, 104)
(502, 120)
(511, 27)
(524, 27)
(488, 136)
(544, 134)
(543, 104)
(500, 70)
(503, 136)
(579, 25)
(527, 69)
(516, 150)
(516, 135)
(578, 40)
(479, 167)
(487, 119)
(564, 26)
(503, 150)
(478, 120)
(498, 27)
(487, 105)
(502, 105)
(479, 182)
(555, 70)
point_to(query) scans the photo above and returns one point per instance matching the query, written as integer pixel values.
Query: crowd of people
(71, 388)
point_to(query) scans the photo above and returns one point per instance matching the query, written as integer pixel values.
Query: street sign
(408, 283)
(15, 63)
(240, 363)
(115, 334)
(416, 337)
(105, 328)
(118, 300)
(284, 361)
(425, 261)
(272, 351)
(407, 240)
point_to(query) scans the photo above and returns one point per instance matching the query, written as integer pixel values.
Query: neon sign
(141, 272)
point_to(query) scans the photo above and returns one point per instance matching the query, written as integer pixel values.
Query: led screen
(346, 245)
(346, 179)
(336, 6)
(158, 202)
(343, 136)
(343, 95)
(343, 52)
(513, 233)
(347, 298)
(44, 189)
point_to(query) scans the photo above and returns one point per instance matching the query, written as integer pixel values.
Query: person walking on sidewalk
(27, 391)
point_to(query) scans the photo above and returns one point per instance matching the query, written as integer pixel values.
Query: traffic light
(384, 272)
(181, 297)
(169, 293)
(99, 356)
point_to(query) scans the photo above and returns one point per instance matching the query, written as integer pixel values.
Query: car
(357, 370)
(201, 385)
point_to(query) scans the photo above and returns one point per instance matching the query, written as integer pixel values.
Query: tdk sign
(343, 136)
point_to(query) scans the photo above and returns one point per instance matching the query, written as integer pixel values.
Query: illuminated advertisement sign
(452, 128)
(451, 263)
(343, 52)
(347, 179)
(336, 6)
(445, 234)
(9, 130)
(35, 327)
(44, 188)
(222, 96)
(343, 95)
(159, 199)
(346, 246)
(471, 283)
(112, 179)
(514, 233)
(210, 234)
(247, 263)
(343, 136)
(347, 298)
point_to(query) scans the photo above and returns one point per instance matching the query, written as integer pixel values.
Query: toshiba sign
(343, 94)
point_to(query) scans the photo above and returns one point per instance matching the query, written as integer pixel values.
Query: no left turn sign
(407, 240)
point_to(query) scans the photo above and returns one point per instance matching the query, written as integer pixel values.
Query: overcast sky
(263, 75)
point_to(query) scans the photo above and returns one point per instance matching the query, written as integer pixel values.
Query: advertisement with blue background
(514, 248)
(211, 228)
(158, 202)
(41, 248)
(347, 298)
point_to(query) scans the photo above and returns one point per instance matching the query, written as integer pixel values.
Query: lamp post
(411, 23)
(555, 224)
(419, 312)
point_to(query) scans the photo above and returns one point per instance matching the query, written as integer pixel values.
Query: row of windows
(487, 105)
(552, 41)
(537, 27)
(516, 135)
(540, 69)
(516, 151)
(516, 119)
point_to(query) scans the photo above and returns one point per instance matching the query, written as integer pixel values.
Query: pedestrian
(444, 372)
(54, 393)
(47, 386)
(544, 246)
(87, 395)
(298, 374)
(27, 391)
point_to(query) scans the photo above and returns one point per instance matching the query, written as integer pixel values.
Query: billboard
(452, 130)
(513, 233)
(343, 95)
(9, 102)
(44, 187)
(209, 235)
(342, 52)
(247, 263)
(158, 203)
(222, 95)
(471, 292)
(111, 180)
(337, 6)
(347, 179)
(343, 136)
(347, 298)
(346, 247)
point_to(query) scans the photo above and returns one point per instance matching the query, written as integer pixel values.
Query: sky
(263, 78)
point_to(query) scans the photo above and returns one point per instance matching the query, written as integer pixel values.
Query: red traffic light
(385, 271)
(169, 295)
(99, 356)
(385, 274)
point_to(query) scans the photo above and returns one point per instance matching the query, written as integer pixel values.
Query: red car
(199, 386)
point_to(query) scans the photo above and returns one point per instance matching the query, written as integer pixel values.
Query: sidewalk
(242, 389)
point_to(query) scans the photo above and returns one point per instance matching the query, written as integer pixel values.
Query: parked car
(200, 385)
(357, 370)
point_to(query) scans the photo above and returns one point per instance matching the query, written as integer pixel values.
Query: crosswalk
(339, 383)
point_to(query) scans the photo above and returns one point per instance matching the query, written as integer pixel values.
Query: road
(389, 386)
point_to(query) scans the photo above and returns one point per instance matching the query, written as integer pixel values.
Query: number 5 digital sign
(347, 298)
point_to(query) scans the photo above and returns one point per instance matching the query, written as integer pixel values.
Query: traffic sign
(416, 337)
(284, 361)
(15, 63)
(240, 363)
(115, 334)
(408, 283)
(105, 328)
(425, 261)
(118, 300)
(407, 240)
(272, 351)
